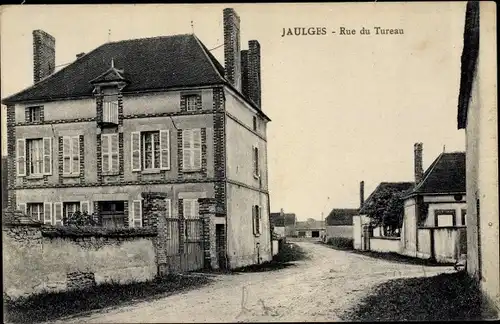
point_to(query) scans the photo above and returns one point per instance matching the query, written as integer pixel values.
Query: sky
(344, 108)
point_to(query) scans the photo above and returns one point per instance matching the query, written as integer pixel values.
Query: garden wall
(45, 258)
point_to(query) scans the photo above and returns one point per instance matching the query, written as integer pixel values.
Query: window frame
(194, 104)
(40, 161)
(40, 206)
(32, 110)
(110, 155)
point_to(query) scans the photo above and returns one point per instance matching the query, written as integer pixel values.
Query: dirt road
(318, 289)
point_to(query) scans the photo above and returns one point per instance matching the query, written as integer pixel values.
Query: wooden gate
(183, 245)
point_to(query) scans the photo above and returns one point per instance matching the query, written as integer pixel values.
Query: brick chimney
(44, 55)
(232, 55)
(418, 167)
(361, 194)
(254, 72)
(244, 73)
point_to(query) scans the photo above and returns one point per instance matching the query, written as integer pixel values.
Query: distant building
(478, 115)
(339, 222)
(283, 223)
(310, 228)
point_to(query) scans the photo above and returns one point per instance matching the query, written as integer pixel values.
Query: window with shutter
(150, 150)
(47, 155)
(255, 154)
(58, 213)
(35, 149)
(165, 150)
(71, 155)
(135, 140)
(191, 146)
(136, 213)
(21, 157)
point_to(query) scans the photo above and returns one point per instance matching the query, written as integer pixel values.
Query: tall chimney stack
(44, 55)
(418, 167)
(361, 194)
(244, 73)
(232, 55)
(254, 72)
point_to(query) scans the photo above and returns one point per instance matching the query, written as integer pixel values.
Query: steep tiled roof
(310, 224)
(445, 175)
(341, 216)
(149, 63)
(387, 186)
(277, 219)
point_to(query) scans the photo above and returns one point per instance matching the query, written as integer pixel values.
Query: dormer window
(110, 111)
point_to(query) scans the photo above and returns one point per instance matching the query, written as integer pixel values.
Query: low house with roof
(278, 223)
(310, 229)
(435, 210)
(339, 223)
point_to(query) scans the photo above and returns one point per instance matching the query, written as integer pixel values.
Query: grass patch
(289, 253)
(443, 297)
(49, 305)
(341, 243)
(399, 258)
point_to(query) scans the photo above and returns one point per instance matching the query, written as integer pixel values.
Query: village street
(318, 289)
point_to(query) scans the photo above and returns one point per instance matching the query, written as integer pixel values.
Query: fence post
(433, 245)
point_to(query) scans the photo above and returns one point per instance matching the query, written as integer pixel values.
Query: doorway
(315, 234)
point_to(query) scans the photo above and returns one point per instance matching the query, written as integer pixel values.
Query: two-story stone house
(156, 114)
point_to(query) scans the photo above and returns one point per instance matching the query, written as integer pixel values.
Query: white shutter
(105, 150)
(58, 213)
(21, 157)
(47, 155)
(165, 149)
(85, 207)
(66, 155)
(113, 152)
(253, 219)
(196, 148)
(135, 156)
(75, 152)
(22, 207)
(136, 213)
(47, 213)
(187, 138)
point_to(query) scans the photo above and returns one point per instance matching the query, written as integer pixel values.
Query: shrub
(341, 243)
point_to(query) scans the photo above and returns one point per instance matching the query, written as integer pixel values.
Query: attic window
(190, 102)
(34, 114)
(254, 123)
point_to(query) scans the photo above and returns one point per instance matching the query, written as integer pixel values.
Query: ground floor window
(35, 211)
(112, 214)
(70, 208)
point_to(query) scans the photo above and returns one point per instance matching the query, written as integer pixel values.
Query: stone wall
(41, 258)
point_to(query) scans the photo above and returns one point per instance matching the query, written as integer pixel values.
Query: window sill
(256, 235)
(111, 173)
(256, 176)
(34, 177)
(151, 171)
(191, 170)
(72, 175)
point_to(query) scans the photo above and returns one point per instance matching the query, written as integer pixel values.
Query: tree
(386, 209)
